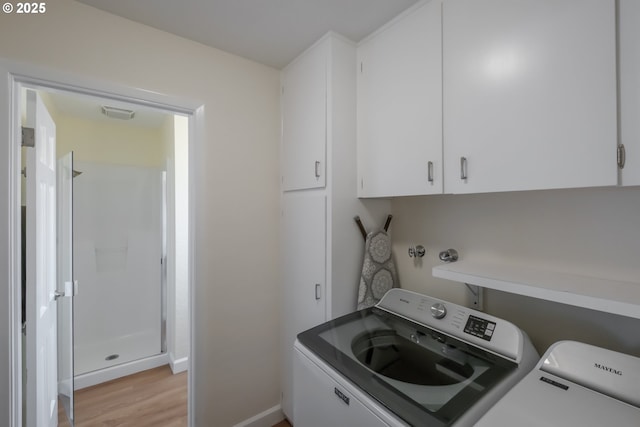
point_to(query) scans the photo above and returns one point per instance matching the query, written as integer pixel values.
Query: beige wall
(593, 232)
(236, 185)
(111, 142)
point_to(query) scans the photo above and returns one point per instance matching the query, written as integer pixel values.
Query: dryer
(411, 360)
(574, 384)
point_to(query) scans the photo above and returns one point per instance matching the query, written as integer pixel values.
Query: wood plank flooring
(154, 397)
(151, 398)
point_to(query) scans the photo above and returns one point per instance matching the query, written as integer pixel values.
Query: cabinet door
(529, 94)
(304, 119)
(303, 293)
(400, 107)
(629, 28)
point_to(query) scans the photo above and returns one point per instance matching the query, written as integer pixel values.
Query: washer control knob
(438, 310)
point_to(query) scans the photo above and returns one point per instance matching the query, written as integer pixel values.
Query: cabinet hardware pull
(463, 168)
(317, 169)
(317, 291)
(622, 156)
(430, 172)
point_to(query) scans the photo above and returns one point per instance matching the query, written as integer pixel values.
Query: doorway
(165, 324)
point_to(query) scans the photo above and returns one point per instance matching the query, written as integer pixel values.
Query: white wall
(593, 232)
(236, 373)
(176, 133)
(181, 320)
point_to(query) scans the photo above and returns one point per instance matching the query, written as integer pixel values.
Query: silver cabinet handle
(430, 172)
(622, 156)
(463, 168)
(317, 169)
(317, 291)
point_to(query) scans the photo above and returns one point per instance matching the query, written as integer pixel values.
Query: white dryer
(574, 384)
(411, 360)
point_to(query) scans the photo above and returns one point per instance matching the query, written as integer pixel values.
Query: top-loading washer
(410, 360)
(574, 384)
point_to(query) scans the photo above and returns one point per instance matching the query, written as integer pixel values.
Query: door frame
(13, 76)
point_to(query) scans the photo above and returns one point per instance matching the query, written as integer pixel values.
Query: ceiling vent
(118, 113)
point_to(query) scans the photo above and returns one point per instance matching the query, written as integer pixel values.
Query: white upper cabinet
(304, 123)
(629, 27)
(529, 94)
(400, 106)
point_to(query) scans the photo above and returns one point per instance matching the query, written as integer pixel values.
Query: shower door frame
(14, 76)
(119, 363)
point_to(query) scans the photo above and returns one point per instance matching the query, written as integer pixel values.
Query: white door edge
(10, 269)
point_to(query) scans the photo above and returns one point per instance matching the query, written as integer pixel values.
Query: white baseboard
(118, 371)
(179, 365)
(264, 419)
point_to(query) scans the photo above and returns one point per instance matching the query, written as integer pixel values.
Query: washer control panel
(484, 330)
(480, 328)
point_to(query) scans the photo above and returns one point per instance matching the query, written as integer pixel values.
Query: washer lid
(605, 371)
(542, 399)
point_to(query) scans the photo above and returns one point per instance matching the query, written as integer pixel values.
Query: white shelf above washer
(610, 296)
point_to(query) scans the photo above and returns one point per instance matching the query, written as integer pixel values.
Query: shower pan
(118, 237)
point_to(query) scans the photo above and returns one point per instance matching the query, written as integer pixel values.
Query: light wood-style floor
(151, 398)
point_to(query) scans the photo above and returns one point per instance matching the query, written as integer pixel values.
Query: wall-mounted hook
(417, 251)
(363, 231)
(386, 224)
(450, 255)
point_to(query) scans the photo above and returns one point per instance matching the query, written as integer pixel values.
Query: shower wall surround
(118, 248)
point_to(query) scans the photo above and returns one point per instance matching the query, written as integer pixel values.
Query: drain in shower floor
(112, 357)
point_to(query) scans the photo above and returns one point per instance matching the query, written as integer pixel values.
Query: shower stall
(120, 308)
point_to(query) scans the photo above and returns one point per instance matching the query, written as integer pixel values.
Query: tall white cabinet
(304, 230)
(322, 248)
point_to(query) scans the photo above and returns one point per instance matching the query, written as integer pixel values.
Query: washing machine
(411, 360)
(574, 384)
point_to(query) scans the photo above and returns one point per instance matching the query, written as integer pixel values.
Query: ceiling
(272, 32)
(89, 107)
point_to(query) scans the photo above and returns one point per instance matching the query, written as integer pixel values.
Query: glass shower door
(65, 288)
